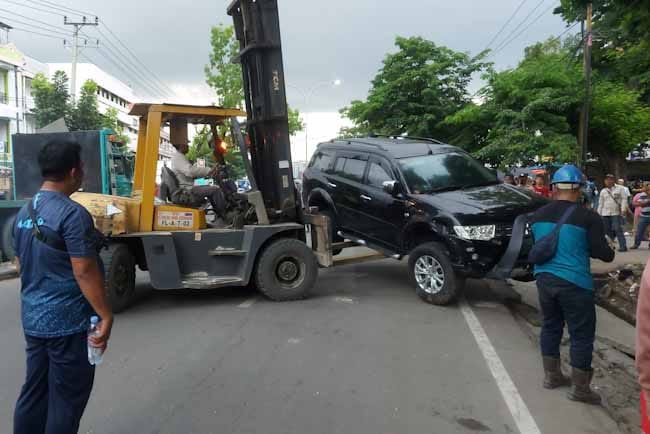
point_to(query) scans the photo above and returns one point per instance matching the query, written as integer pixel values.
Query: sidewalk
(640, 256)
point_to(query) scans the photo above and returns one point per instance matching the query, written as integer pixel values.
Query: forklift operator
(186, 172)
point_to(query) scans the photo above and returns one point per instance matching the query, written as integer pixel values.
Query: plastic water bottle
(95, 355)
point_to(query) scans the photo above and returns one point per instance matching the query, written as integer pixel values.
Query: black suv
(417, 197)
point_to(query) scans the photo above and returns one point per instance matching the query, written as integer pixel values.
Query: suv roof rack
(360, 141)
(424, 139)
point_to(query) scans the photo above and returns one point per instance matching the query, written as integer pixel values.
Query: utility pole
(75, 49)
(584, 119)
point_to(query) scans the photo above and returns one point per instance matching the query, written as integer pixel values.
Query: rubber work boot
(553, 377)
(581, 387)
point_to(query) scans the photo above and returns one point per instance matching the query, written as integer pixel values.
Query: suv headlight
(481, 233)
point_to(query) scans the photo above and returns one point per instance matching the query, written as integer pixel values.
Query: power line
(111, 58)
(503, 46)
(30, 18)
(503, 27)
(35, 26)
(521, 23)
(132, 71)
(33, 7)
(61, 7)
(37, 33)
(153, 75)
(159, 84)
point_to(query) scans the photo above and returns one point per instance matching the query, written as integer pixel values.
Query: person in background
(540, 186)
(627, 196)
(62, 286)
(509, 179)
(590, 192)
(523, 181)
(565, 284)
(643, 345)
(637, 191)
(612, 208)
(642, 203)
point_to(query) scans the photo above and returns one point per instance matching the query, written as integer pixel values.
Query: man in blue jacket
(565, 284)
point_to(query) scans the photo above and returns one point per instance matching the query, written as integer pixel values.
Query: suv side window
(321, 161)
(377, 174)
(350, 168)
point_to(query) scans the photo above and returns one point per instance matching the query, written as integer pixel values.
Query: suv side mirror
(391, 187)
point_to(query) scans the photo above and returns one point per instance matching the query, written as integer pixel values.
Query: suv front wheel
(431, 272)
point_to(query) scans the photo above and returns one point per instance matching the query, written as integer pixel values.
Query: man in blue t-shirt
(566, 286)
(62, 286)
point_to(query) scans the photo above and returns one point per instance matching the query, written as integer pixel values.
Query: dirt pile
(618, 291)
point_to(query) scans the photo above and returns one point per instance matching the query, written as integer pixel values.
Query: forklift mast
(257, 28)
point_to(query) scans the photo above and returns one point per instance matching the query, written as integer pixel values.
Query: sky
(323, 41)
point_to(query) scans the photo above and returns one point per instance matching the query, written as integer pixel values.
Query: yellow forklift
(176, 245)
(264, 238)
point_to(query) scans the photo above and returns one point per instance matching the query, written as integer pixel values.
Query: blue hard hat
(568, 174)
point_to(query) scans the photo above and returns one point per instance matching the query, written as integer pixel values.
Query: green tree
(225, 78)
(621, 43)
(532, 112)
(415, 90)
(111, 121)
(85, 116)
(526, 113)
(50, 98)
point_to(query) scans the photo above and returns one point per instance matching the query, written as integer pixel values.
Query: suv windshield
(450, 171)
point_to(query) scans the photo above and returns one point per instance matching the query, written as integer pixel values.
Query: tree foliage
(415, 90)
(111, 121)
(50, 98)
(621, 47)
(532, 112)
(527, 113)
(225, 78)
(85, 116)
(52, 102)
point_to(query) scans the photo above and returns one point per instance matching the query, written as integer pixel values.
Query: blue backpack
(544, 250)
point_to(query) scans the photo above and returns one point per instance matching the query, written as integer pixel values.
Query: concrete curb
(8, 271)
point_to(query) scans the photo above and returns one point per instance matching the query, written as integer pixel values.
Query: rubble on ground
(618, 291)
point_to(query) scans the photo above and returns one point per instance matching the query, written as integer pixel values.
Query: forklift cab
(153, 117)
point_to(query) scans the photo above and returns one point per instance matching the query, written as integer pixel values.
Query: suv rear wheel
(431, 272)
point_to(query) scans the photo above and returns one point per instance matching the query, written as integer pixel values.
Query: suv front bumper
(497, 258)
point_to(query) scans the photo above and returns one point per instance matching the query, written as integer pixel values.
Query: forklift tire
(286, 270)
(433, 276)
(119, 275)
(334, 237)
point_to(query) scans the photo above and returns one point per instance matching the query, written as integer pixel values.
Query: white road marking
(518, 409)
(248, 303)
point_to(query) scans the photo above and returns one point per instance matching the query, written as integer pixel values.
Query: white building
(16, 102)
(112, 93)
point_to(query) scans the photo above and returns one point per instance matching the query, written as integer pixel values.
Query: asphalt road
(363, 355)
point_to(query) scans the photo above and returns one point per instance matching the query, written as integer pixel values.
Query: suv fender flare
(424, 231)
(320, 195)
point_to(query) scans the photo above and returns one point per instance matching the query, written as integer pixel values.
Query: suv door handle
(364, 197)
(331, 185)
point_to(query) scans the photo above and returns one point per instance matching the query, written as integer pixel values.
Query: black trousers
(563, 302)
(213, 194)
(57, 386)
